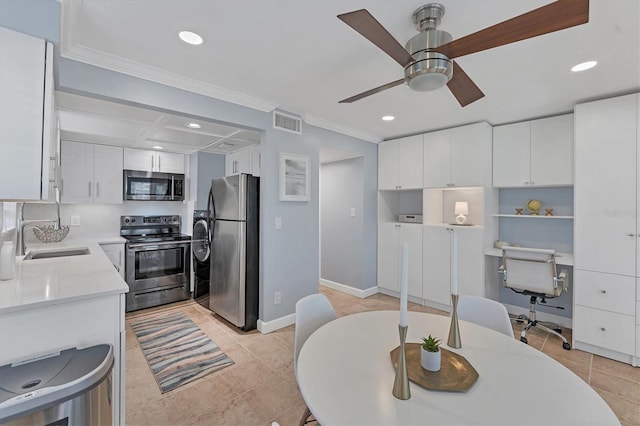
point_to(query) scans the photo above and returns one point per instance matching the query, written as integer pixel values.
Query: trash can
(70, 387)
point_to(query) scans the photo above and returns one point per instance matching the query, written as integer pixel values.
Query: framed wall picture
(295, 182)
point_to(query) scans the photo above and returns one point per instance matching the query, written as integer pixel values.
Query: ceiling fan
(428, 58)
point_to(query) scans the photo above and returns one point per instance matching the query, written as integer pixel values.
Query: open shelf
(528, 216)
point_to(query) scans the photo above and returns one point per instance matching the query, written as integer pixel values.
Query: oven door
(152, 265)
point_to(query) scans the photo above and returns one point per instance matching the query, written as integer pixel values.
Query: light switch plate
(278, 223)
(353, 212)
(75, 220)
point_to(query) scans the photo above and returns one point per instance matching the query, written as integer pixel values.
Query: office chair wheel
(566, 346)
(524, 340)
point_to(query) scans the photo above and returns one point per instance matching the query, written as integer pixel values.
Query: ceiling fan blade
(372, 91)
(364, 23)
(546, 19)
(462, 87)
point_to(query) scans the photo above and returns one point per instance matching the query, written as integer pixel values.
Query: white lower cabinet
(391, 237)
(436, 272)
(605, 329)
(115, 253)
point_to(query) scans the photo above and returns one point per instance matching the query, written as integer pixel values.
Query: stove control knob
(127, 220)
(174, 219)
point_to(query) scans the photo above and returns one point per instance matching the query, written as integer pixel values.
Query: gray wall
(289, 256)
(209, 166)
(342, 235)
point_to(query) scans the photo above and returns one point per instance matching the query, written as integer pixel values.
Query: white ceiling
(297, 56)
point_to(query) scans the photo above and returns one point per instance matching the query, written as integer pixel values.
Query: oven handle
(154, 246)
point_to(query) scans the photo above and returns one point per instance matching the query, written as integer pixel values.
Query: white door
(21, 114)
(437, 159)
(412, 234)
(168, 162)
(388, 165)
(77, 172)
(471, 155)
(436, 264)
(605, 188)
(511, 156)
(388, 270)
(552, 151)
(107, 174)
(139, 159)
(410, 162)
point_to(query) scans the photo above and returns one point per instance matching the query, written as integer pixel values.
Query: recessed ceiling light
(190, 37)
(157, 147)
(584, 66)
(388, 118)
(193, 125)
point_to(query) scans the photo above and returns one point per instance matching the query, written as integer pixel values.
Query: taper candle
(454, 263)
(404, 284)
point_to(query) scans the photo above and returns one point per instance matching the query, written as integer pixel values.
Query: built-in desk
(565, 259)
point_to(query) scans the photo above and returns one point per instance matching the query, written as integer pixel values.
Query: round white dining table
(346, 377)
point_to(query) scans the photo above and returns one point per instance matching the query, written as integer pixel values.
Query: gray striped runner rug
(177, 350)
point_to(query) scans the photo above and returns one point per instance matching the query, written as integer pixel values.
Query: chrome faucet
(22, 224)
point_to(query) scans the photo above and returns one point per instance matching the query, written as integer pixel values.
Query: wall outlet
(75, 220)
(353, 212)
(278, 223)
(276, 298)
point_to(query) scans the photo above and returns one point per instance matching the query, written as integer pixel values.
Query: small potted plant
(430, 354)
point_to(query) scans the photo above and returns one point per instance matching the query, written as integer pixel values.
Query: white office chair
(532, 272)
(485, 312)
(312, 312)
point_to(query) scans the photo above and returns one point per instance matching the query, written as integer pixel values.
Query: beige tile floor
(261, 387)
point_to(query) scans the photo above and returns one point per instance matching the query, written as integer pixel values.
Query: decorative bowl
(47, 234)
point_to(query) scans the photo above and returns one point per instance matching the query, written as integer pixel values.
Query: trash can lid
(36, 383)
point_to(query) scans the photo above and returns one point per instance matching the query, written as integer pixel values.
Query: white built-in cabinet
(400, 163)
(246, 160)
(607, 228)
(458, 157)
(436, 262)
(391, 237)
(115, 253)
(153, 161)
(91, 174)
(28, 132)
(534, 153)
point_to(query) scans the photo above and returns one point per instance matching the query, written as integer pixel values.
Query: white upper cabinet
(238, 162)
(534, 153)
(400, 163)
(153, 161)
(91, 174)
(27, 117)
(458, 157)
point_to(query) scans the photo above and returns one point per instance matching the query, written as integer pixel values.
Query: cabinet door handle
(526, 183)
(89, 189)
(61, 187)
(532, 182)
(159, 164)
(152, 163)
(631, 235)
(603, 291)
(603, 329)
(97, 189)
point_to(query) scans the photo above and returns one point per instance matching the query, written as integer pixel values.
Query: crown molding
(330, 125)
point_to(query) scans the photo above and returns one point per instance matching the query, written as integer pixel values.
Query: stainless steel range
(157, 261)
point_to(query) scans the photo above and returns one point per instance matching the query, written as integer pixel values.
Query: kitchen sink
(41, 254)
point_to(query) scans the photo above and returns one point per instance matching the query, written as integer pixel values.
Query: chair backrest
(312, 312)
(529, 269)
(485, 312)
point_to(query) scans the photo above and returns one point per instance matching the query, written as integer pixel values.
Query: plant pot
(430, 361)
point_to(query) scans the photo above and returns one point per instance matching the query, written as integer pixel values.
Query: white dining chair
(312, 312)
(485, 312)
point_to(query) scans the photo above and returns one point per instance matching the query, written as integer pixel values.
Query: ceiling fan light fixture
(584, 66)
(430, 71)
(190, 37)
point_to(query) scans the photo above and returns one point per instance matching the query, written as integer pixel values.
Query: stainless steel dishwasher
(66, 388)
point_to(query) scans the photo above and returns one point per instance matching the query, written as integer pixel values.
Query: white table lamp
(461, 211)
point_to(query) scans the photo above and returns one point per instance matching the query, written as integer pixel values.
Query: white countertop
(41, 282)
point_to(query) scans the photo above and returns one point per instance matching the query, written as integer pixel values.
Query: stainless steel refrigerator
(233, 211)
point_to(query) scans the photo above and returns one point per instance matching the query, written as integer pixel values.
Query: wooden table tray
(456, 373)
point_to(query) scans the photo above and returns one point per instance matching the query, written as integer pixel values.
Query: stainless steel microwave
(153, 186)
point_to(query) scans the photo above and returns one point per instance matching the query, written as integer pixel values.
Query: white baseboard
(348, 289)
(540, 316)
(265, 327)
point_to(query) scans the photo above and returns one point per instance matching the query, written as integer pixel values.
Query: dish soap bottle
(7, 260)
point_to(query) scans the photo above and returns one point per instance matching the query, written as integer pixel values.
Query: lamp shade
(462, 207)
